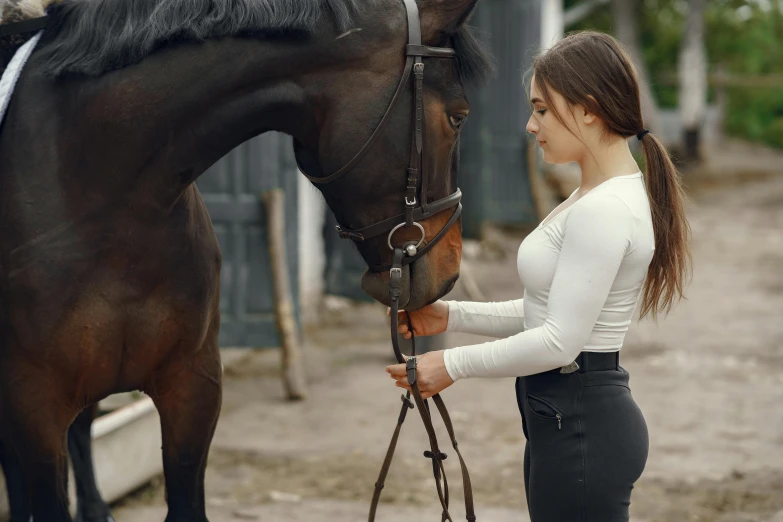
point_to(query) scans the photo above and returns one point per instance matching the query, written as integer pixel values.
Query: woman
(620, 236)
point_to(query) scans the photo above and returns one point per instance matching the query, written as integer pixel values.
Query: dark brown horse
(109, 266)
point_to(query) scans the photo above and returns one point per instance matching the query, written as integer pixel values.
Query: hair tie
(642, 134)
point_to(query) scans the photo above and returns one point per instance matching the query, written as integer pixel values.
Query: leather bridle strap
(417, 214)
(375, 135)
(25, 26)
(414, 51)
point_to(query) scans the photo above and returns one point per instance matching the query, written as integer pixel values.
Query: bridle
(416, 208)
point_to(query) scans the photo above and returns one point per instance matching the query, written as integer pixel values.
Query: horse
(109, 265)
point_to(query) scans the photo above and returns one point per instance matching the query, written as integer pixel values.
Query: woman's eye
(541, 111)
(457, 120)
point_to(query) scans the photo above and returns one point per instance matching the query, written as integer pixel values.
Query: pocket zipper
(558, 415)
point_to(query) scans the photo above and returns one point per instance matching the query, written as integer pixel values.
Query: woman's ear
(585, 114)
(587, 117)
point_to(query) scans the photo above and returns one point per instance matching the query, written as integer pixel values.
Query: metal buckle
(395, 270)
(570, 368)
(410, 368)
(410, 203)
(395, 229)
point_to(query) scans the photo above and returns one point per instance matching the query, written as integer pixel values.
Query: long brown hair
(593, 70)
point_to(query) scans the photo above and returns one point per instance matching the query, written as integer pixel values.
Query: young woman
(621, 236)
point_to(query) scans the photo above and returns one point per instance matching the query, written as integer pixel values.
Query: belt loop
(617, 360)
(582, 360)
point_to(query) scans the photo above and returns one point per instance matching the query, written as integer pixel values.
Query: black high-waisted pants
(586, 445)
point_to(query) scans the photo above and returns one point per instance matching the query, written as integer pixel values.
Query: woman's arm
(598, 233)
(501, 319)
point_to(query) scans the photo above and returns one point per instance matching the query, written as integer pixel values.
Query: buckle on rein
(410, 368)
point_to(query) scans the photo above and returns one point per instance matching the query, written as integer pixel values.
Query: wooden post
(293, 373)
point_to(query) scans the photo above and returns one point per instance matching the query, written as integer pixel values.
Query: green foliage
(743, 37)
(756, 114)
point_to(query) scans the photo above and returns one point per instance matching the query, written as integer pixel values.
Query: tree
(693, 79)
(625, 21)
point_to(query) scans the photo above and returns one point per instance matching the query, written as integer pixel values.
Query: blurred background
(709, 376)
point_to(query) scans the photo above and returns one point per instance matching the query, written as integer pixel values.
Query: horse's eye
(457, 120)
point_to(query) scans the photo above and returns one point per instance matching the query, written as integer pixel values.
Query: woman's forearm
(502, 319)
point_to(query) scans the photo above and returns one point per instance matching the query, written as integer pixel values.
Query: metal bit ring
(395, 229)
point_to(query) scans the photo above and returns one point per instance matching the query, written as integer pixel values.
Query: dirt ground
(709, 379)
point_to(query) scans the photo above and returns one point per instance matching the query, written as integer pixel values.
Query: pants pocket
(545, 409)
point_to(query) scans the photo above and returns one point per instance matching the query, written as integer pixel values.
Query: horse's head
(368, 166)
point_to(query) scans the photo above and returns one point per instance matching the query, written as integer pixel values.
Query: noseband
(416, 208)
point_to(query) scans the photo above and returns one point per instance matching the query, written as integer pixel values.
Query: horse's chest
(112, 297)
(116, 325)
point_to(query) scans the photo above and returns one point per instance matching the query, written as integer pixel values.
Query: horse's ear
(440, 18)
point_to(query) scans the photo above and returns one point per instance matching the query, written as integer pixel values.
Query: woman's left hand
(431, 374)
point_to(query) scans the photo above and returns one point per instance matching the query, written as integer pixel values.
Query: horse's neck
(180, 110)
(144, 132)
(205, 100)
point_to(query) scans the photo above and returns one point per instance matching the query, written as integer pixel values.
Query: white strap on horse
(14, 70)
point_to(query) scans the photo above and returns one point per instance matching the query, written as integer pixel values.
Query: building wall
(312, 254)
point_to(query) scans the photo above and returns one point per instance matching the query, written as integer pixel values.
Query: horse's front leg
(90, 506)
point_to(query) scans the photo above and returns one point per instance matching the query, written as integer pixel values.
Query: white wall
(312, 258)
(551, 22)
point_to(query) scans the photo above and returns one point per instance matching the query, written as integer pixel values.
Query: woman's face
(559, 143)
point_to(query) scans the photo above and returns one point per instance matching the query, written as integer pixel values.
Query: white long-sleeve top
(583, 269)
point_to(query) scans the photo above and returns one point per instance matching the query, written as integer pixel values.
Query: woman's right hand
(430, 320)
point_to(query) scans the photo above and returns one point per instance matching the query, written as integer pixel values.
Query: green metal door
(493, 166)
(232, 190)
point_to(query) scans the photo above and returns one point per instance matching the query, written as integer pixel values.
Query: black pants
(586, 445)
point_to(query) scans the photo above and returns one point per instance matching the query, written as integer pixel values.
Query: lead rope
(437, 457)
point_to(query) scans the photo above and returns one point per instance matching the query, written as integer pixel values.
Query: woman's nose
(532, 126)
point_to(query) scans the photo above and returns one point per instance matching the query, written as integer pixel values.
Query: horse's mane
(92, 37)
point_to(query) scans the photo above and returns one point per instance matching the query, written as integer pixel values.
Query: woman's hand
(431, 374)
(430, 320)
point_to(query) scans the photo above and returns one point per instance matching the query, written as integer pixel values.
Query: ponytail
(672, 259)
